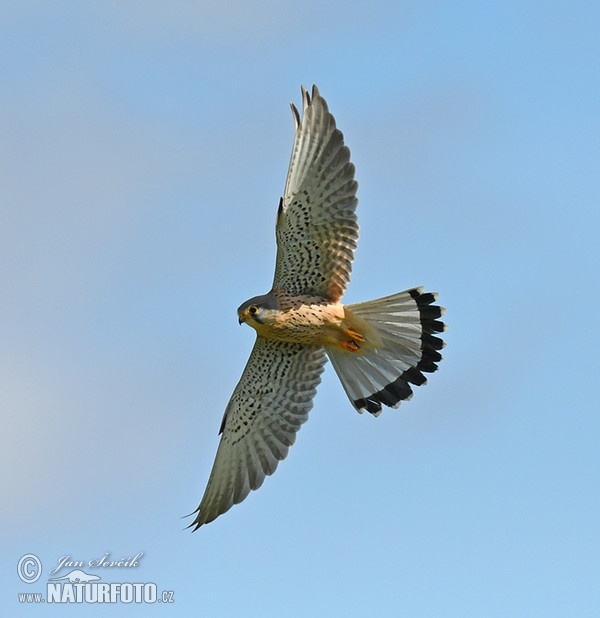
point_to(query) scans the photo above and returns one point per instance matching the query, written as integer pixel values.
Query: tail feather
(405, 323)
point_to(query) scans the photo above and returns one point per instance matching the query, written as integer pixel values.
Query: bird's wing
(316, 227)
(267, 408)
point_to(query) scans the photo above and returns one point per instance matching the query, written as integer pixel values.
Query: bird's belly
(314, 324)
(323, 325)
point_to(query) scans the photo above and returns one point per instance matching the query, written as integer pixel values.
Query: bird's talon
(354, 336)
(350, 346)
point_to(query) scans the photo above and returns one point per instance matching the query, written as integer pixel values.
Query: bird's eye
(252, 309)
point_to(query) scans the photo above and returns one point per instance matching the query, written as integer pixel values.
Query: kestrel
(378, 348)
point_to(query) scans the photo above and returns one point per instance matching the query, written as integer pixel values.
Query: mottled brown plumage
(378, 348)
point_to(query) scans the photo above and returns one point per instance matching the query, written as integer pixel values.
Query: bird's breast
(309, 323)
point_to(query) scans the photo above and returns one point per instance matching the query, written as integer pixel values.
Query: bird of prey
(378, 348)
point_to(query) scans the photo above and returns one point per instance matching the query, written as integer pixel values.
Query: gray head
(257, 309)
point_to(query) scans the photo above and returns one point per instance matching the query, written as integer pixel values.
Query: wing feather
(317, 229)
(267, 408)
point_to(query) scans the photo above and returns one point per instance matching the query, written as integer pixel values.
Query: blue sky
(143, 150)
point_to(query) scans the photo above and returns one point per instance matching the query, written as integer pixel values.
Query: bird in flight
(378, 348)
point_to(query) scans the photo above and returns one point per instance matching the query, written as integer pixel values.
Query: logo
(84, 582)
(77, 577)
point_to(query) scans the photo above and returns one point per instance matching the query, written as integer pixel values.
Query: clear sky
(143, 150)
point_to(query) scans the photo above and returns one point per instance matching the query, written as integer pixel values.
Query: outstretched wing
(267, 408)
(316, 228)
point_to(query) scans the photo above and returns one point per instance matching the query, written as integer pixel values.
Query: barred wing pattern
(267, 408)
(316, 227)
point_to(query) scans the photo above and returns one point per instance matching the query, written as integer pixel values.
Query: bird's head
(258, 311)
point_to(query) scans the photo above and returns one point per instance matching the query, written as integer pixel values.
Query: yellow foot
(350, 346)
(354, 336)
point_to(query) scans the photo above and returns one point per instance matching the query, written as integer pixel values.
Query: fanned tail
(405, 323)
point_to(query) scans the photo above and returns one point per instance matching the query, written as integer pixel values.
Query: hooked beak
(241, 318)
